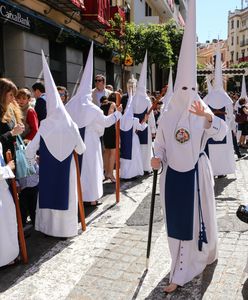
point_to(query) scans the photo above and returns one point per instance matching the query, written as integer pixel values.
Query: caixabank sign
(12, 14)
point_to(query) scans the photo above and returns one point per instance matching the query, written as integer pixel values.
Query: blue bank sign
(15, 16)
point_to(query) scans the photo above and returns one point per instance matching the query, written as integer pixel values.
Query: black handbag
(242, 213)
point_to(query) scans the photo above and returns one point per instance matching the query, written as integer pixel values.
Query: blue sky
(212, 18)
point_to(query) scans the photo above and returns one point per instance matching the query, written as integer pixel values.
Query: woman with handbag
(241, 119)
(10, 115)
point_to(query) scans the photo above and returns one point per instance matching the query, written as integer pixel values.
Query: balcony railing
(97, 14)
(243, 43)
(242, 59)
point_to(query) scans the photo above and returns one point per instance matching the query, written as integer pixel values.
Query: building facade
(206, 53)
(238, 36)
(64, 30)
(156, 12)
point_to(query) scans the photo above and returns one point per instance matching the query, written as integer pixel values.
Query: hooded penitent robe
(186, 182)
(130, 155)
(221, 153)
(9, 248)
(56, 139)
(141, 105)
(91, 123)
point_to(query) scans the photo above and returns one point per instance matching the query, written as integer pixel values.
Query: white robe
(130, 168)
(92, 162)
(222, 155)
(187, 260)
(9, 248)
(146, 150)
(59, 223)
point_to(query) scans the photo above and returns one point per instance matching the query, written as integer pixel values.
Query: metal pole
(155, 176)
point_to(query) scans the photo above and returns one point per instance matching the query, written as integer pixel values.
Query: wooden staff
(22, 241)
(117, 152)
(80, 194)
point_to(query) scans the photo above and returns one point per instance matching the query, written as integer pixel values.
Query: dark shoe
(242, 213)
(241, 155)
(221, 176)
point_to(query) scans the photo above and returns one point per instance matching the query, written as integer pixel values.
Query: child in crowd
(30, 119)
(28, 185)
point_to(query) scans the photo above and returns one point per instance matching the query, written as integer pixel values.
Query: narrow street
(108, 261)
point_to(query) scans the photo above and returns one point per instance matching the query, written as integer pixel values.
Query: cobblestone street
(108, 261)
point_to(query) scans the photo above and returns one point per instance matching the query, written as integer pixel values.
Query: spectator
(100, 89)
(40, 96)
(64, 95)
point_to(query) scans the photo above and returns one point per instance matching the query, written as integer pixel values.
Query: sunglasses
(98, 80)
(62, 95)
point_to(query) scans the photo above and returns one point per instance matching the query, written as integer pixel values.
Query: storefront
(24, 32)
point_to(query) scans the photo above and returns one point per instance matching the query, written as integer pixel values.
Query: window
(243, 53)
(237, 40)
(232, 24)
(237, 56)
(148, 10)
(237, 23)
(232, 54)
(57, 53)
(232, 41)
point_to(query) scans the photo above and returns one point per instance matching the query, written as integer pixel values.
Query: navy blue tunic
(143, 135)
(80, 157)
(126, 143)
(179, 203)
(212, 141)
(54, 180)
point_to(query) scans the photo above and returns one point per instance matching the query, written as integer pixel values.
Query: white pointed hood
(141, 100)
(126, 122)
(169, 93)
(80, 107)
(178, 129)
(218, 98)
(243, 89)
(185, 89)
(243, 94)
(209, 85)
(58, 130)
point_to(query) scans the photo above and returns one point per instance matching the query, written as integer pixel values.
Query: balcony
(96, 14)
(242, 59)
(243, 43)
(66, 6)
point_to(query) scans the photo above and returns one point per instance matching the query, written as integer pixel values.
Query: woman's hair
(23, 93)
(103, 99)
(242, 101)
(6, 86)
(112, 97)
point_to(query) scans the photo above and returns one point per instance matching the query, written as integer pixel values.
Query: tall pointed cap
(186, 68)
(141, 87)
(140, 99)
(209, 85)
(58, 126)
(85, 86)
(82, 100)
(126, 122)
(169, 93)
(218, 80)
(243, 89)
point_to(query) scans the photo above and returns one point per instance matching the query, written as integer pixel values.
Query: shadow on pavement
(207, 276)
(221, 184)
(181, 293)
(37, 246)
(245, 290)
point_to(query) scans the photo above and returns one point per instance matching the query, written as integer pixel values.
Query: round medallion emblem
(182, 135)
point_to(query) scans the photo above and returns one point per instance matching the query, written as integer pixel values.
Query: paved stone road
(108, 260)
